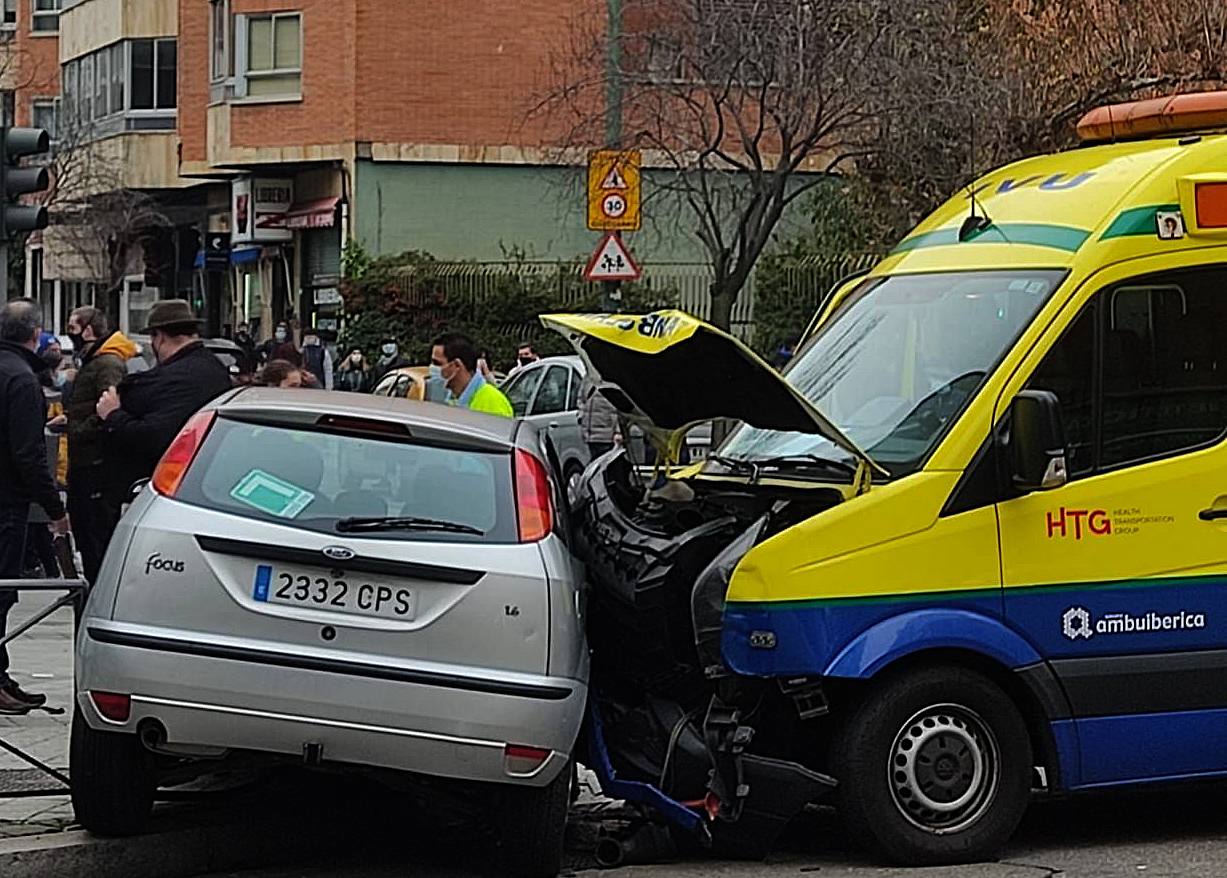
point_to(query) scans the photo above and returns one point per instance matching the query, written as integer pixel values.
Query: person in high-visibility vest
(454, 359)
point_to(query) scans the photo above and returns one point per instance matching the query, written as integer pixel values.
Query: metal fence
(684, 285)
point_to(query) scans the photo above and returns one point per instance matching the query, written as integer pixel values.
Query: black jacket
(154, 406)
(25, 472)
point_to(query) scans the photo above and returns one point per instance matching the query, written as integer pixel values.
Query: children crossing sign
(614, 191)
(611, 261)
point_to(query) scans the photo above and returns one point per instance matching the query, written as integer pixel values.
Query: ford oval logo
(338, 553)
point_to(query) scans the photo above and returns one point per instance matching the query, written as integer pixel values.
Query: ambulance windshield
(899, 359)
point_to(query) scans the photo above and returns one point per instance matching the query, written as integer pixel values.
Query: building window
(125, 86)
(220, 65)
(117, 78)
(10, 15)
(153, 75)
(45, 113)
(8, 108)
(46, 16)
(274, 55)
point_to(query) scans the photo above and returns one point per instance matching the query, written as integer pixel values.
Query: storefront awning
(320, 213)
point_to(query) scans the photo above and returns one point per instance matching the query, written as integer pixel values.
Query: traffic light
(16, 181)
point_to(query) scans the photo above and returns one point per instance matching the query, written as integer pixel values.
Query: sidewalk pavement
(41, 661)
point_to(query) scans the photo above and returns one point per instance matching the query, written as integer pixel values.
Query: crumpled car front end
(715, 752)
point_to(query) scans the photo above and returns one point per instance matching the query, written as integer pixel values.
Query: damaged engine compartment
(714, 753)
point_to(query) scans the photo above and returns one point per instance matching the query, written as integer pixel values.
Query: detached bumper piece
(749, 801)
(754, 797)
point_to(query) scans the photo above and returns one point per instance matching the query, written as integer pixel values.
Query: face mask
(389, 350)
(52, 360)
(279, 335)
(60, 379)
(436, 372)
(524, 361)
(77, 341)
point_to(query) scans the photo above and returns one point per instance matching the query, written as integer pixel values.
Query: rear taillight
(534, 508)
(174, 463)
(113, 706)
(522, 759)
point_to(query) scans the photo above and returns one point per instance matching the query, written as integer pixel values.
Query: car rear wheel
(934, 768)
(113, 780)
(532, 824)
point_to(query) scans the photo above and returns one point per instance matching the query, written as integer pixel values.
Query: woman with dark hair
(281, 373)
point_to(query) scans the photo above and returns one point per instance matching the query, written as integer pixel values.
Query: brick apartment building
(401, 125)
(272, 132)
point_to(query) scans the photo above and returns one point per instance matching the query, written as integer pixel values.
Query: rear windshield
(315, 480)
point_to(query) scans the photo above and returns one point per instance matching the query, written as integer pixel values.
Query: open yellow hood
(668, 371)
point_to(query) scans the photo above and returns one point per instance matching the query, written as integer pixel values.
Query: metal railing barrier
(25, 783)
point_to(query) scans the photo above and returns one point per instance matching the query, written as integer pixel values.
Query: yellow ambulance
(971, 544)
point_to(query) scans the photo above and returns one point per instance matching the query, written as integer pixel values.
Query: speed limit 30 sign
(614, 191)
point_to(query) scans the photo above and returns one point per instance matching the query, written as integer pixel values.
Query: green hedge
(413, 298)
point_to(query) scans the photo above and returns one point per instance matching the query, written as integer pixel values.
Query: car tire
(532, 826)
(934, 767)
(113, 780)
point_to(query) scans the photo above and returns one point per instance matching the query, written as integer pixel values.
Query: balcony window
(46, 16)
(274, 55)
(152, 76)
(129, 85)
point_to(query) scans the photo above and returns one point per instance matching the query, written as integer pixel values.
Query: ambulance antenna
(974, 224)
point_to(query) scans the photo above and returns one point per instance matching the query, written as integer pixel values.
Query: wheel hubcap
(944, 768)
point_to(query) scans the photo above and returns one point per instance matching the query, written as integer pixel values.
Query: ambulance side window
(1068, 371)
(1141, 374)
(1164, 366)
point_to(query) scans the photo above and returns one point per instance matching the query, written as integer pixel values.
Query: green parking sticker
(271, 495)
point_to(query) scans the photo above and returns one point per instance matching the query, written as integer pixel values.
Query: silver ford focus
(340, 580)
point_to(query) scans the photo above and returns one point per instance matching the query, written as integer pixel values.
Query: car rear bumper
(216, 694)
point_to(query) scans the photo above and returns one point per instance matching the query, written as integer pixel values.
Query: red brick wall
(36, 60)
(193, 80)
(461, 71)
(428, 72)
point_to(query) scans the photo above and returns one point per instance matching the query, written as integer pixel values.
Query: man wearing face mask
(143, 415)
(525, 355)
(454, 359)
(280, 346)
(389, 358)
(102, 355)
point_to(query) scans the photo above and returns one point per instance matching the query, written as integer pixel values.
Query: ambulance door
(1119, 577)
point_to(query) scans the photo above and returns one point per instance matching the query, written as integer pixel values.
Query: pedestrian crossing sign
(614, 190)
(612, 261)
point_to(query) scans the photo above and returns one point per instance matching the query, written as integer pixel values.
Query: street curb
(177, 853)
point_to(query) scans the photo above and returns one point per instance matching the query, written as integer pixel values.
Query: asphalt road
(1158, 833)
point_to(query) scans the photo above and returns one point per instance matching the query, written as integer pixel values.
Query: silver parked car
(340, 580)
(546, 393)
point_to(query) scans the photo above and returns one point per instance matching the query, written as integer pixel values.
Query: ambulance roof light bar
(1137, 120)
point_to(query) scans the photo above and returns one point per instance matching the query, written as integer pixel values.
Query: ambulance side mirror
(1036, 446)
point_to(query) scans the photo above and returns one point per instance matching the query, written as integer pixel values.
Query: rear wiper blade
(393, 522)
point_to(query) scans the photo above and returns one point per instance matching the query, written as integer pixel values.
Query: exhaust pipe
(639, 846)
(153, 736)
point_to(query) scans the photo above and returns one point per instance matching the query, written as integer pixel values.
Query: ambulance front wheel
(934, 767)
